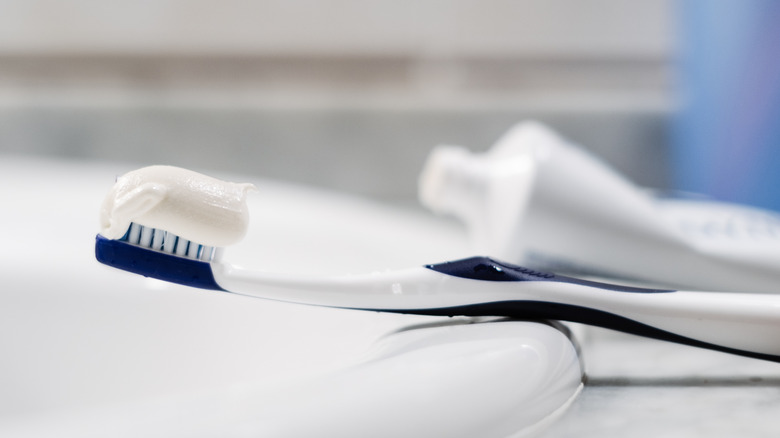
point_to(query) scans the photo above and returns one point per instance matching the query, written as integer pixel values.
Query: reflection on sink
(94, 351)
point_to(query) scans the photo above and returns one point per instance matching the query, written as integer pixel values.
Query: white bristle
(181, 247)
(169, 242)
(163, 241)
(207, 254)
(146, 236)
(157, 241)
(134, 233)
(192, 250)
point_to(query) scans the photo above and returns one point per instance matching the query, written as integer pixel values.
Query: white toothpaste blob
(189, 204)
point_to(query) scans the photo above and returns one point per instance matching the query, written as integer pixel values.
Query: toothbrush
(153, 217)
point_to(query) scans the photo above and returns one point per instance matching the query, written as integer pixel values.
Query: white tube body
(537, 200)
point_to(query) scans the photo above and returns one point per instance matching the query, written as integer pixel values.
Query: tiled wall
(343, 94)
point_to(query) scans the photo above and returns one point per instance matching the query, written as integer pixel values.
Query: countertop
(634, 387)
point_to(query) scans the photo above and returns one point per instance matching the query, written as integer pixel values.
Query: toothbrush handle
(743, 324)
(744, 337)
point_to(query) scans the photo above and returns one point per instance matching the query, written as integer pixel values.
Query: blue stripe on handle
(487, 269)
(150, 263)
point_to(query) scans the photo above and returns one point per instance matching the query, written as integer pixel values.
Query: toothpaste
(186, 203)
(538, 200)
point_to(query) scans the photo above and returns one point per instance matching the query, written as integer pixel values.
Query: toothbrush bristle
(167, 242)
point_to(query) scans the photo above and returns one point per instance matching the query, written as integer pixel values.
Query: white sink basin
(92, 351)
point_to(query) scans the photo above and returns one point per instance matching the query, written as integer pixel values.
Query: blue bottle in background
(727, 132)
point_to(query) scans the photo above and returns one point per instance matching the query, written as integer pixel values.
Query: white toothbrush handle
(742, 324)
(746, 324)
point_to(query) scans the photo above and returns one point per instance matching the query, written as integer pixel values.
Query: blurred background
(352, 95)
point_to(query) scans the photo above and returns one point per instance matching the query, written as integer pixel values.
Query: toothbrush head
(145, 261)
(151, 216)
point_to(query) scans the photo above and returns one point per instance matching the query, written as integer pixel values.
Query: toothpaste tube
(538, 200)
